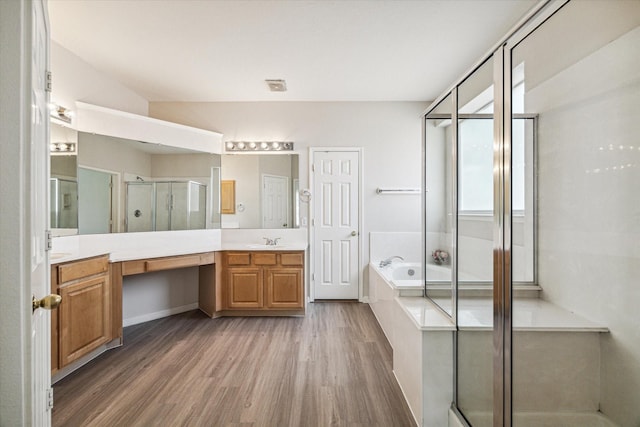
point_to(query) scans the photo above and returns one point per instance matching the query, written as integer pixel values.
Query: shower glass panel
(439, 211)
(474, 260)
(140, 204)
(585, 91)
(163, 206)
(178, 205)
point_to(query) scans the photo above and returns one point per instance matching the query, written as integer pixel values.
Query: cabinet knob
(50, 302)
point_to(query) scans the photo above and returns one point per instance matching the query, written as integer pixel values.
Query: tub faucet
(271, 242)
(389, 260)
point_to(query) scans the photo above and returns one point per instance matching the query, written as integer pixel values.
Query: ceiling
(348, 50)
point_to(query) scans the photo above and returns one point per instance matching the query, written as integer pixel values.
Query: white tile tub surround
(556, 345)
(422, 340)
(383, 245)
(552, 371)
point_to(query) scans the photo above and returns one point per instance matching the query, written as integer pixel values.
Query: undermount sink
(263, 246)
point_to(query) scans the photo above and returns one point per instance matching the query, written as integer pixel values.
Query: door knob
(49, 302)
(354, 233)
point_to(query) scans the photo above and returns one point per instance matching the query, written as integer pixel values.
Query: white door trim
(312, 248)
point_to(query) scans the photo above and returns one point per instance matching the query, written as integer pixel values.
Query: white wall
(75, 80)
(389, 132)
(245, 171)
(589, 204)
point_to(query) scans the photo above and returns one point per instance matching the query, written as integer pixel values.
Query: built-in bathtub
(421, 335)
(403, 276)
(409, 276)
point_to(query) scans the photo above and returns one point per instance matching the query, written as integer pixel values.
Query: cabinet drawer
(208, 258)
(133, 267)
(238, 258)
(79, 269)
(260, 258)
(171, 263)
(292, 259)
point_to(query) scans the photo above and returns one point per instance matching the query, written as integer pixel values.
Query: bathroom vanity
(234, 279)
(84, 322)
(147, 232)
(262, 283)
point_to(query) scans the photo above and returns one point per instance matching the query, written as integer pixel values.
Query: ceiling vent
(277, 85)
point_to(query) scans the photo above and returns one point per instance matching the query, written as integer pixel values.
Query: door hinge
(313, 277)
(47, 81)
(49, 240)
(49, 398)
(313, 222)
(313, 168)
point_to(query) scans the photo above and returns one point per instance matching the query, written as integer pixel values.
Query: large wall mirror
(265, 188)
(63, 179)
(125, 186)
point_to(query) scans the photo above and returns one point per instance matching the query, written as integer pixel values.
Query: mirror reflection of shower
(165, 205)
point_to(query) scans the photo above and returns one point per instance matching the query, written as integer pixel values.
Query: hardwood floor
(330, 368)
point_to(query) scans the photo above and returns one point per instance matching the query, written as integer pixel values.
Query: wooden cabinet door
(84, 317)
(284, 288)
(228, 197)
(245, 288)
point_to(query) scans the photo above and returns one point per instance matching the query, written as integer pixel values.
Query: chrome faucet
(271, 242)
(389, 260)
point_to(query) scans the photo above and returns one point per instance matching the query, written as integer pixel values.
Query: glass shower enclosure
(165, 205)
(531, 168)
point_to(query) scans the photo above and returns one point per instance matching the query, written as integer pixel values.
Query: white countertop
(132, 246)
(529, 314)
(425, 315)
(476, 313)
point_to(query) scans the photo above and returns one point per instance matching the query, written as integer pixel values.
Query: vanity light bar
(258, 146)
(63, 148)
(61, 113)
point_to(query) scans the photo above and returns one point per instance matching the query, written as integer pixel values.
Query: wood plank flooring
(329, 368)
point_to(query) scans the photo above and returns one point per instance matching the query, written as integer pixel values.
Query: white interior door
(24, 336)
(336, 234)
(39, 218)
(275, 201)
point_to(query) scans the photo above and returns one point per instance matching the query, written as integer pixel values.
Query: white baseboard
(158, 314)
